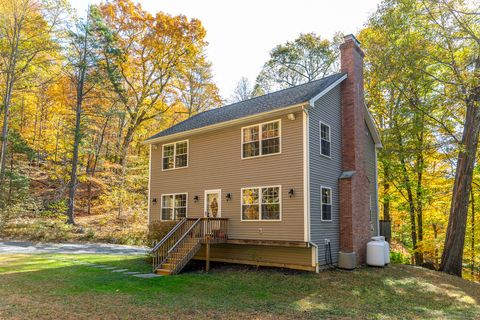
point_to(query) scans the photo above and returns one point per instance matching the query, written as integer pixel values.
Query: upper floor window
(261, 139)
(174, 206)
(261, 203)
(326, 199)
(175, 155)
(324, 139)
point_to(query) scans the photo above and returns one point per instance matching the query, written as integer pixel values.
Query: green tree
(307, 58)
(454, 25)
(26, 30)
(82, 70)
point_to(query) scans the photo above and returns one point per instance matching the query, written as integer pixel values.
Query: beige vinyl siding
(215, 163)
(288, 257)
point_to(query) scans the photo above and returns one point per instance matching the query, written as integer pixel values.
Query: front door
(213, 203)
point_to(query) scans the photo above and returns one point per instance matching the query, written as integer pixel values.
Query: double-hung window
(326, 203)
(325, 139)
(174, 206)
(261, 139)
(175, 155)
(261, 203)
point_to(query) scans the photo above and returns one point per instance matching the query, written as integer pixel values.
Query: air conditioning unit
(347, 260)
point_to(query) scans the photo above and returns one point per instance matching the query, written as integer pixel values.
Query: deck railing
(214, 229)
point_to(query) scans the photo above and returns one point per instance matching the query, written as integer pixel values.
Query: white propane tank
(386, 245)
(376, 254)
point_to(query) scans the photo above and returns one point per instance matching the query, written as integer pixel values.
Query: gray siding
(372, 176)
(325, 171)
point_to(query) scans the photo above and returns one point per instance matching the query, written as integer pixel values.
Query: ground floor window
(174, 206)
(261, 203)
(326, 199)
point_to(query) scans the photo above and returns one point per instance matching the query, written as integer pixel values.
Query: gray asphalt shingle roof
(265, 103)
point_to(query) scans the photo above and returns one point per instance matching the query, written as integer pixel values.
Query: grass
(45, 287)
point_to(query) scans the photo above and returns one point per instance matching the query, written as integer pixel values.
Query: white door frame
(205, 202)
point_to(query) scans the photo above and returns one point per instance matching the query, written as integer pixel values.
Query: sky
(242, 33)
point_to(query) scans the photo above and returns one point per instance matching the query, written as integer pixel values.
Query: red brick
(354, 191)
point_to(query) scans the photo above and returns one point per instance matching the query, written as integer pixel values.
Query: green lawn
(43, 287)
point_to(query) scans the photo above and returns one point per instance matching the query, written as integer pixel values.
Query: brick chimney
(353, 183)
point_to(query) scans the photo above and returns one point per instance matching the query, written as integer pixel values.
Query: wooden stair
(179, 257)
(181, 244)
(174, 259)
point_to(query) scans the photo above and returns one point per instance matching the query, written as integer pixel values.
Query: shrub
(398, 257)
(158, 229)
(55, 209)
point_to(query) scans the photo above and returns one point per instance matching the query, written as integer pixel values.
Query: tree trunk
(411, 205)
(94, 166)
(6, 117)
(452, 256)
(386, 195)
(72, 188)
(123, 161)
(7, 99)
(472, 233)
(419, 191)
(435, 236)
(82, 69)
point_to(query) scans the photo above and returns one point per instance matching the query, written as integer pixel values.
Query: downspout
(307, 184)
(376, 193)
(317, 267)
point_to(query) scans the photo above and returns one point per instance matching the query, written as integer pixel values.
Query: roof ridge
(278, 91)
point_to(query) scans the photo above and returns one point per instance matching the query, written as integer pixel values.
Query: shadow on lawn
(230, 291)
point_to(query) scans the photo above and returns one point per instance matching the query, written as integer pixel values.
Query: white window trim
(321, 204)
(260, 204)
(175, 154)
(219, 191)
(329, 140)
(173, 194)
(259, 125)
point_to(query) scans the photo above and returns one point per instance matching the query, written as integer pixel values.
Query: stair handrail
(184, 235)
(168, 235)
(192, 251)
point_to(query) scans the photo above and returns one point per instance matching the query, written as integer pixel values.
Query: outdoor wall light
(195, 199)
(154, 200)
(229, 196)
(291, 116)
(291, 193)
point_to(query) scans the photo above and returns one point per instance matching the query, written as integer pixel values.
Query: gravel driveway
(11, 247)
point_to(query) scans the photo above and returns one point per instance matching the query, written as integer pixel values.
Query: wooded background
(79, 95)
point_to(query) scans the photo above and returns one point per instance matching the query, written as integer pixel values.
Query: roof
(269, 102)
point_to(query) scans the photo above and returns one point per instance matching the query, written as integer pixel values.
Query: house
(288, 179)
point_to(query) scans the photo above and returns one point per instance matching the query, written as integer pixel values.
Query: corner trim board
(306, 177)
(149, 183)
